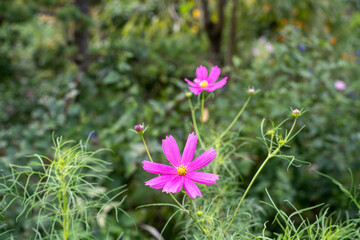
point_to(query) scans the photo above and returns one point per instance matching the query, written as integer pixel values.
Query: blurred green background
(81, 67)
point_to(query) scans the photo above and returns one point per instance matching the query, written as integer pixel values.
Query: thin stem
(65, 215)
(180, 205)
(270, 155)
(233, 122)
(271, 142)
(195, 125)
(202, 111)
(292, 128)
(147, 150)
(63, 202)
(246, 191)
(194, 219)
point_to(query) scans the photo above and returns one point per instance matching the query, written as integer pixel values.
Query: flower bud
(296, 113)
(270, 132)
(251, 91)
(281, 142)
(188, 94)
(199, 213)
(139, 129)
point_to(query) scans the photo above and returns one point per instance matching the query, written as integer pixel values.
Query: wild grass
(61, 195)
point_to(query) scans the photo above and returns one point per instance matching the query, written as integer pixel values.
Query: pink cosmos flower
(183, 170)
(203, 81)
(340, 85)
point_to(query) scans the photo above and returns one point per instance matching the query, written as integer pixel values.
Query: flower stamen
(181, 171)
(203, 84)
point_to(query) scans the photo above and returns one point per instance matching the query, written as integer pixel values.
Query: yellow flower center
(203, 84)
(182, 171)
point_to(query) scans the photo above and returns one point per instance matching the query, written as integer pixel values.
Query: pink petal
(202, 160)
(214, 86)
(190, 82)
(201, 73)
(158, 168)
(214, 74)
(191, 188)
(196, 90)
(204, 178)
(171, 151)
(159, 182)
(174, 185)
(189, 150)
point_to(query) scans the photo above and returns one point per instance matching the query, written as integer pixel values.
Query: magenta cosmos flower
(206, 82)
(183, 169)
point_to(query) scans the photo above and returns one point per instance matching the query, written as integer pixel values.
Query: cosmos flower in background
(183, 172)
(206, 82)
(255, 52)
(302, 47)
(269, 47)
(340, 85)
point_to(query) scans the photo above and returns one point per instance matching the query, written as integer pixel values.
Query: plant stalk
(202, 111)
(195, 125)
(233, 122)
(270, 155)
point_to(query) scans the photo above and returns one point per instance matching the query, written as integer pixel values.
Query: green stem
(63, 202)
(147, 150)
(194, 219)
(233, 122)
(65, 216)
(271, 142)
(195, 125)
(246, 191)
(202, 111)
(270, 155)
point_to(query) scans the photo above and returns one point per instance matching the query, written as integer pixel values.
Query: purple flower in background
(29, 94)
(311, 70)
(357, 53)
(269, 47)
(340, 85)
(262, 39)
(92, 134)
(255, 52)
(352, 95)
(358, 61)
(302, 48)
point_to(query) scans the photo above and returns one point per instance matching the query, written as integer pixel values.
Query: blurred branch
(232, 34)
(214, 30)
(81, 36)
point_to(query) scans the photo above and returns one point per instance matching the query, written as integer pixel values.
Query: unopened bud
(139, 128)
(199, 213)
(188, 94)
(281, 142)
(270, 132)
(296, 113)
(251, 91)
